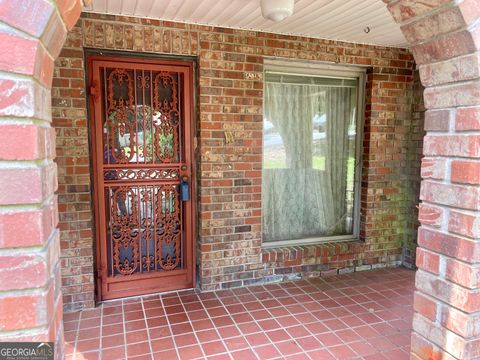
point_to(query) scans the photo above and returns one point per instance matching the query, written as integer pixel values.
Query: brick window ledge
(323, 259)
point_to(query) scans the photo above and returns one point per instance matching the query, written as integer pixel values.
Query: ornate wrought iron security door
(142, 147)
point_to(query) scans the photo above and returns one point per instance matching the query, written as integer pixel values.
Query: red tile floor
(363, 315)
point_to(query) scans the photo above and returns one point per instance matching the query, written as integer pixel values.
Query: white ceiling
(329, 19)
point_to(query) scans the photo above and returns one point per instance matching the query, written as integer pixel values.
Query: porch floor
(364, 315)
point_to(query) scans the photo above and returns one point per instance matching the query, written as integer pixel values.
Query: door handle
(184, 189)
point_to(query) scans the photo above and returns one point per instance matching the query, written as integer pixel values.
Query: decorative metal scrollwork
(141, 174)
(141, 133)
(125, 232)
(120, 116)
(167, 235)
(166, 116)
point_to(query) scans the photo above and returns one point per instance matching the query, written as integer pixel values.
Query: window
(311, 153)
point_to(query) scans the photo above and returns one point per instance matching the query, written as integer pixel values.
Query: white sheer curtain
(304, 189)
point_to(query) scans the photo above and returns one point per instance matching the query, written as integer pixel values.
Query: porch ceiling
(343, 20)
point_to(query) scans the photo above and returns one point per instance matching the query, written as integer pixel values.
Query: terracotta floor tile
(309, 343)
(217, 311)
(207, 335)
(269, 324)
(298, 357)
(136, 336)
(89, 323)
(138, 349)
(396, 354)
(267, 352)
(178, 329)
(87, 345)
(199, 325)
(171, 300)
(177, 318)
(278, 311)
(212, 303)
(235, 309)
(155, 312)
(329, 339)
(320, 355)
(190, 352)
(151, 303)
(132, 307)
(228, 331)
(73, 316)
(348, 335)
(113, 353)
(219, 357)
(246, 354)
(91, 355)
(71, 325)
(260, 314)
(164, 355)
(257, 339)
(135, 325)
(341, 352)
(193, 306)
(174, 309)
(214, 347)
(335, 324)
(112, 341)
(382, 344)
(140, 357)
(360, 316)
(365, 331)
(134, 315)
(286, 321)
(157, 321)
(223, 321)
(185, 340)
(236, 343)
(288, 347)
(162, 344)
(159, 332)
(298, 331)
(362, 348)
(374, 357)
(254, 306)
(278, 335)
(400, 339)
(197, 315)
(70, 336)
(306, 318)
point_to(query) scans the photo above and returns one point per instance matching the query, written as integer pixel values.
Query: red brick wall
(445, 40)
(230, 100)
(31, 37)
(414, 158)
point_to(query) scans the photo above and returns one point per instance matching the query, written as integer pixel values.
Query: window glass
(309, 156)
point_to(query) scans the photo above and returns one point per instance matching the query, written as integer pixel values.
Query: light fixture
(277, 10)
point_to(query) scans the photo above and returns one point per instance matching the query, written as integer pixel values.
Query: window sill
(326, 252)
(317, 241)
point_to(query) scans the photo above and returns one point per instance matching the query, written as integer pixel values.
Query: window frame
(321, 69)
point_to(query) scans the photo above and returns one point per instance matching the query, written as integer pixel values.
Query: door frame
(92, 55)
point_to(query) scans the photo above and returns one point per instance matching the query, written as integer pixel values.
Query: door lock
(184, 189)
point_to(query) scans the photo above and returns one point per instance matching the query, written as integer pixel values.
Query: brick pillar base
(32, 35)
(445, 39)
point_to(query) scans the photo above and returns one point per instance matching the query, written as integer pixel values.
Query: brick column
(31, 35)
(445, 39)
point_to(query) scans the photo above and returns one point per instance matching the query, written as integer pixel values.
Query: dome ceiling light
(277, 10)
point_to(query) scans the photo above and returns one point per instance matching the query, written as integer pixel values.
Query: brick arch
(32, 36)
(445, 40)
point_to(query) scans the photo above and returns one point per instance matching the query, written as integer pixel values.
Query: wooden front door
(142, 132)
